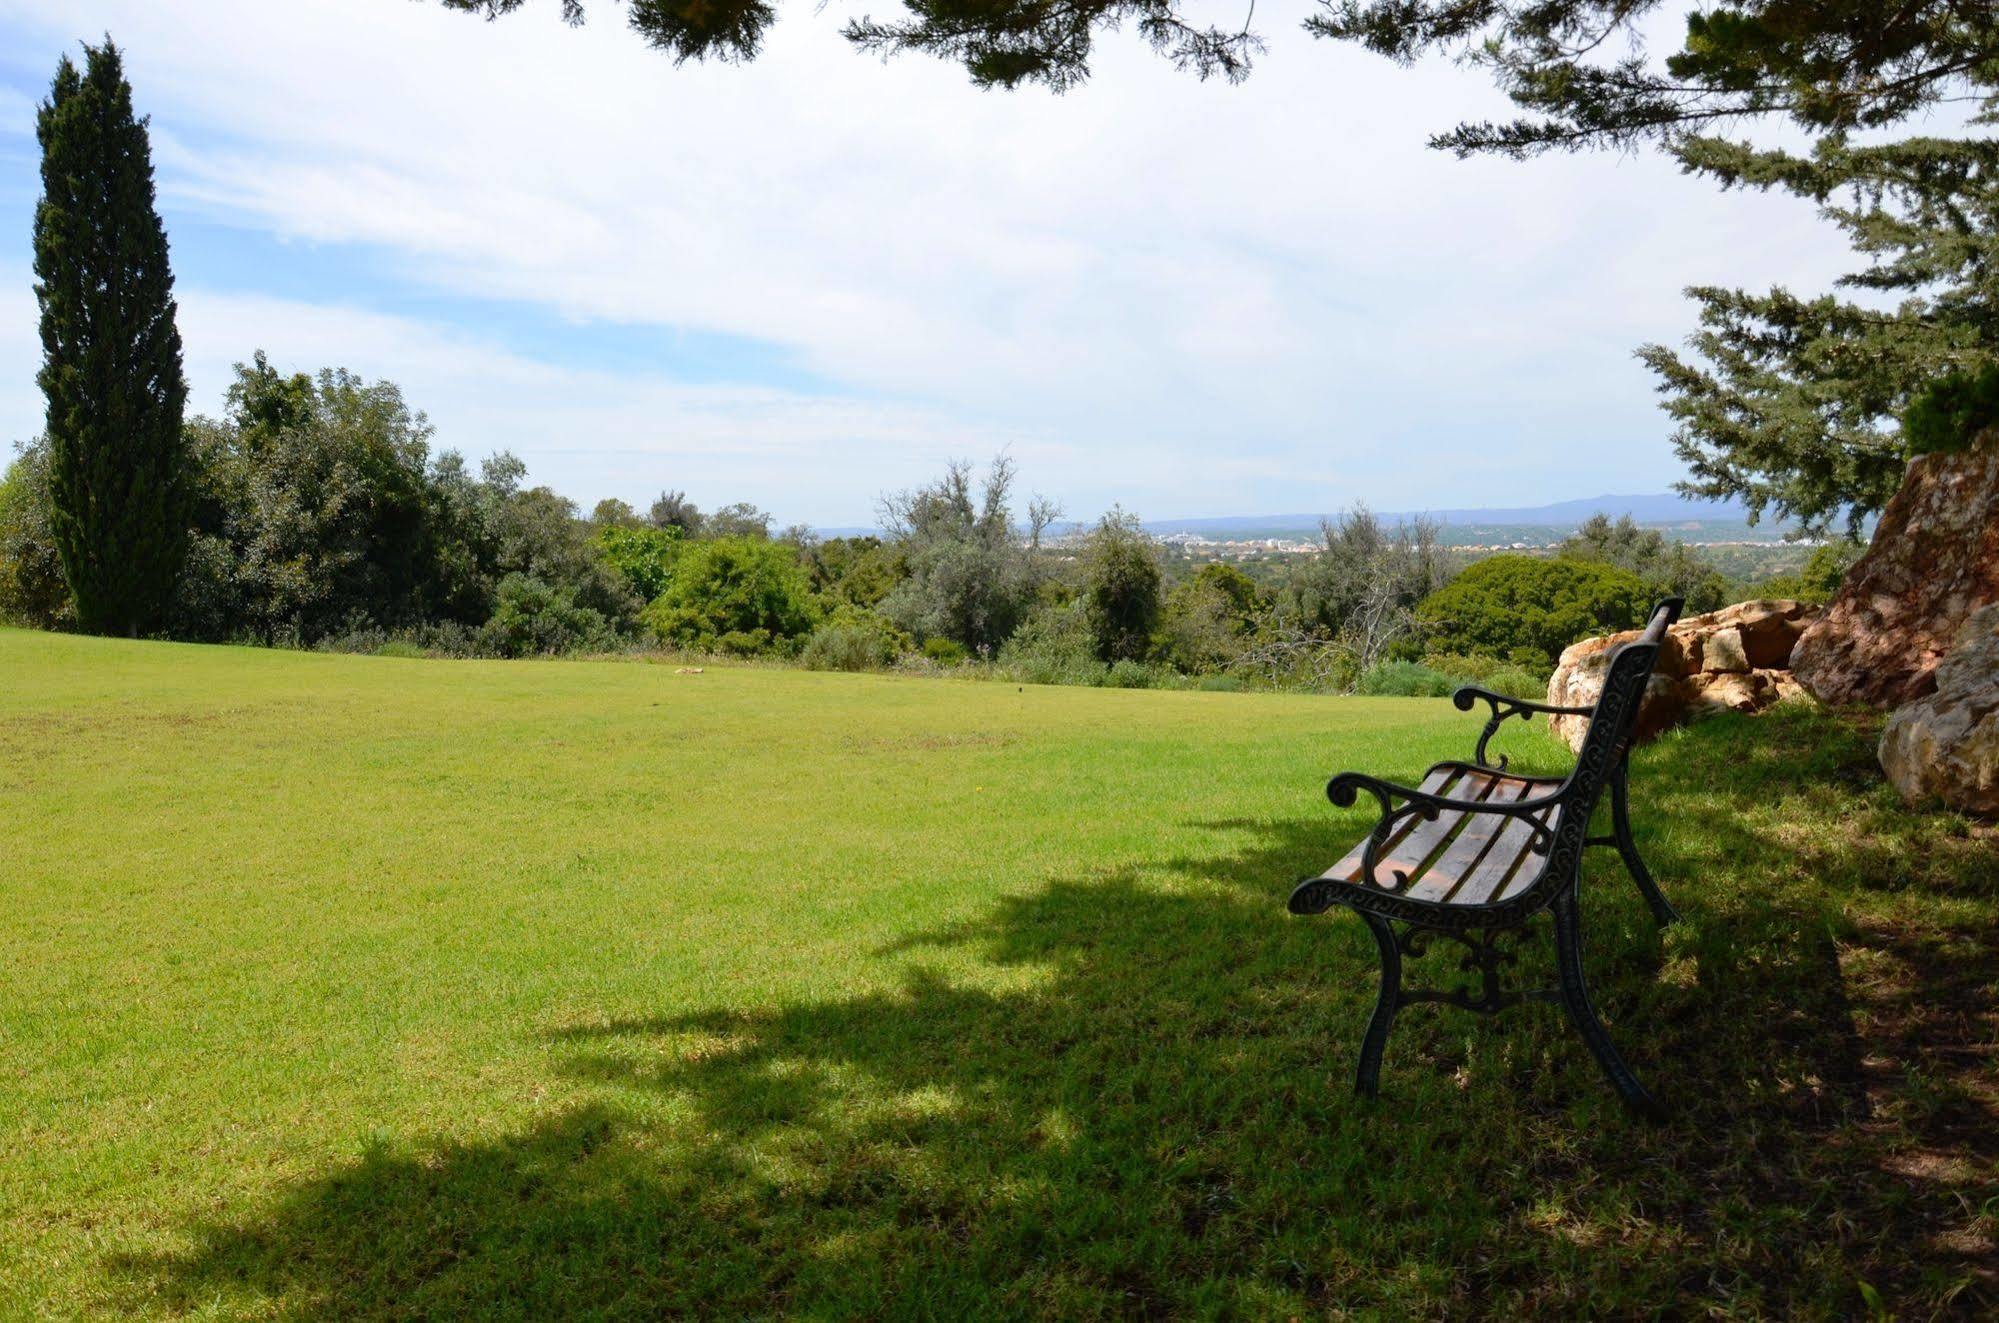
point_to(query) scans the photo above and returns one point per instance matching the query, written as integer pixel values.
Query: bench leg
(1367, 1080)
(1575, 1000)
(1620, 820)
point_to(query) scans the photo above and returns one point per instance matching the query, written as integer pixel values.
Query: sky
(814, 278)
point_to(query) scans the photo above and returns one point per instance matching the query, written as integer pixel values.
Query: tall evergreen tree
(111, 356)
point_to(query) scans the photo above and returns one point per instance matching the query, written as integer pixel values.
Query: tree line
(314, 513)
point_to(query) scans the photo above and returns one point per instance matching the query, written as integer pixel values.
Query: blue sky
(815, 278)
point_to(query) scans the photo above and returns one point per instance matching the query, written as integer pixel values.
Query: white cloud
(1145, 273)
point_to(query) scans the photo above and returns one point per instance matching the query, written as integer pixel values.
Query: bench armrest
(1400, 801)
(1465, 695)
(1345, 789)
(1504, 706)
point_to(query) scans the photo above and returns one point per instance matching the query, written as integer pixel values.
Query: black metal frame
(1568, 803)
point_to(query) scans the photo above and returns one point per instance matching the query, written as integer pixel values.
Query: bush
(641, 555)
(853, 641)
(534, 619)
(32, 589)
(1405, 680)
(1128, 674)
(735, 594)
(1053, 647)
(1121, 580)
(1220, 684)
(1502, 677)
(945, 652)
(1819, 578)
(1504, 603)
(1208, 619)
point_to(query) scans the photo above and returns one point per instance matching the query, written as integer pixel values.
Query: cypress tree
(111, 356)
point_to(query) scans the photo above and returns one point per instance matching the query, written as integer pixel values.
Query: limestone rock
(1933, 562)
(1946, 746)
(1735, 659)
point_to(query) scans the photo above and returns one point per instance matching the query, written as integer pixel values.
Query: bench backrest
(1626, 677)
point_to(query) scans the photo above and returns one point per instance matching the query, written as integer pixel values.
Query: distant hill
(1694, 521)
(1700, 521)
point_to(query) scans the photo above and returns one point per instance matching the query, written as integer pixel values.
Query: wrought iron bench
(1475, 852)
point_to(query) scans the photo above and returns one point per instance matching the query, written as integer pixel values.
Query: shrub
(535, 619)
(1502, 677)
(32, 589)
(1220, 684)
(1053, 647)
(1207, 619)
(853, 641)
(736, 594)
(1121, 580)
(1504, 603)
(1819, 578)
(1405, 680)
(641, 555)
(1128, 674)
(945, 652)
(966, 575)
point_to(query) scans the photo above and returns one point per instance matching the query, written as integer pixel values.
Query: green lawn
(365, 986)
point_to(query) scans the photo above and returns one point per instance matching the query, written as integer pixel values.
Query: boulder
(1945, 746)
(1732, 660)
(1933, 562)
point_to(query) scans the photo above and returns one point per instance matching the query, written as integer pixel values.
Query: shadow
(1137, 1104)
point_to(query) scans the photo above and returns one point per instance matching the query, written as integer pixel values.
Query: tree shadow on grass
(1141, 1107)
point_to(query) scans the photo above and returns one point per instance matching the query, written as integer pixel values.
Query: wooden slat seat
(1459, 857)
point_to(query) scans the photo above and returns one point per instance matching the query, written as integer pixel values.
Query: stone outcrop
(1933, 562)
(1945, 746)
(1736, 659)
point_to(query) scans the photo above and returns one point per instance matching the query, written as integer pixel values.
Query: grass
(393, 988)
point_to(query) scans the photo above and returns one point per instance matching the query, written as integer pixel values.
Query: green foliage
(735, 594)
(1503, 676)
(1054, 646)
(1669, 568)
(860, 571)
(853, 640)
(1208, 619)
(535, 619)
(674, 510)
(1509, 602)
(1129, 673)
(1819, 579)
(968, 577)
(1404, 679)
(945, 652)
(642, 555)
(111, 356)
(314, 509)
(1946, 415)
(33, 591)
(614, 513)
(1120, 591)
(739, 520)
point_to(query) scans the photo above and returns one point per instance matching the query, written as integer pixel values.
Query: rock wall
(1933, 562)
(1736, 659)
